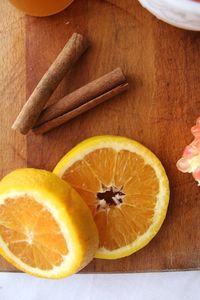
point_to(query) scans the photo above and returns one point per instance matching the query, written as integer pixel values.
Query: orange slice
(125, 186)
(46, 229)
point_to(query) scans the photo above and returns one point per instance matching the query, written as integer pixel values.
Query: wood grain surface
(162, 65)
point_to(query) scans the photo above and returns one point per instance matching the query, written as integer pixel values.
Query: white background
(143, 286)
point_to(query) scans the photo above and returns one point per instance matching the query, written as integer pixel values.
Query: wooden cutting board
(162, 65)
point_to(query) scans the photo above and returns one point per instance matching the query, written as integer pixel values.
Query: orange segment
(141, 201)
(99, 160)
(124, 185)
(24, 252)
(11, 236)
(101, 222)
(10, 220)
(144, 182)
(128, 165)
(53, 242)
(138, 219)
(24, 211)
(50, 255)
(40, 260)
(119, 232)
(81, 176)
(90, 199)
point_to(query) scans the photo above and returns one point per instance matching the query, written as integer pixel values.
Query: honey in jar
(41, 7)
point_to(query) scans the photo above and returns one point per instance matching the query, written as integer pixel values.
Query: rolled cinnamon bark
(29, 114)
(53, 123)
(82, 95)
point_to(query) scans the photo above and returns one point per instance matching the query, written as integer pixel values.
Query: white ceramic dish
(180, 13)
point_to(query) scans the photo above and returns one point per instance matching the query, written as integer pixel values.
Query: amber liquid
(41, 7)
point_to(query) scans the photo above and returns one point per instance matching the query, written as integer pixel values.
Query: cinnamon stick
(49, 125)
(29, 114)
(84, 94)
(115, 85)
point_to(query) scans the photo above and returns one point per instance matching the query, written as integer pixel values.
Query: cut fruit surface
(125, 186)
(190, 160)
(45, 227)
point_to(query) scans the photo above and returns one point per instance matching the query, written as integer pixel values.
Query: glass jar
(41, 7)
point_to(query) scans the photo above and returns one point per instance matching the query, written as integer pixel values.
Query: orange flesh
(40, 242)
(118, 224)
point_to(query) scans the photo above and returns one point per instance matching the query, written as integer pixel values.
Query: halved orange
(46, 229)
(125, 186)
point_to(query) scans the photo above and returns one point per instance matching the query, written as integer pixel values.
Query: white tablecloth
(149, 286)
